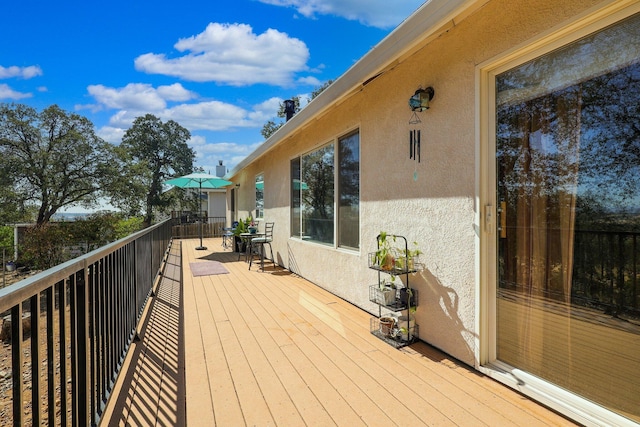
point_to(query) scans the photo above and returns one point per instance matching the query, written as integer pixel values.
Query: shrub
(44, 246)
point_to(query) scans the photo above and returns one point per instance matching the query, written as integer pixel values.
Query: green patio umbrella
(199, 181)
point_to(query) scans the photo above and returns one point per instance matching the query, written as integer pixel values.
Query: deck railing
(71, 326)
(606, 270)
(605, 275)
(189, 227)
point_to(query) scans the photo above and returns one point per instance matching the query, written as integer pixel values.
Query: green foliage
(6, 237)
(389, 256)
(50, 160)
(270, 128)
(44, 246)
(151, 152)
(243, 226)
(384, 256)
(127, 226)
(319, 90)
(50, 244)
(102, 228)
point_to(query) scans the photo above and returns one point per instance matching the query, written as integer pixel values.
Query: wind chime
(418, 102)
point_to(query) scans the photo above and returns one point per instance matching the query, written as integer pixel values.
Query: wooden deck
(273, 349)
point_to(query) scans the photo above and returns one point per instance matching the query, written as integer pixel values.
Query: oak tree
(151, 152)
(53, 158)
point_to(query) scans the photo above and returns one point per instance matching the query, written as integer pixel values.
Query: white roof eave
(428, 19)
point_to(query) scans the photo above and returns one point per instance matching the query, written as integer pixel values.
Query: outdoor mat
(207, 268)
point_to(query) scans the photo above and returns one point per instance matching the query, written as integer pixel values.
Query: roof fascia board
(427, 20)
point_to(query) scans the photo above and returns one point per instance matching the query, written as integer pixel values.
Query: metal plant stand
(400, 299)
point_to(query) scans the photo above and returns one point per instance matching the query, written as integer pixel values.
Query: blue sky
(220, 69)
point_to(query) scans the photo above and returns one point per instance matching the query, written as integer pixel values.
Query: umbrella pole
(200, 248)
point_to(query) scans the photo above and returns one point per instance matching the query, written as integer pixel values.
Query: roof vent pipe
(220, 169)
(289, 108)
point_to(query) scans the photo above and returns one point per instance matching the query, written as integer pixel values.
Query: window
(317, 195)
(349, 191)
(313, 194)
(296, 200)
(259, 196)
(568, 180)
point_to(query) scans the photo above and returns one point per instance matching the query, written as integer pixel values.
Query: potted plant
(252, 227)
(384, 257)
(386, 293)
(387, 325)
(407, 324)
(407, 259)
(239, 244)
(406, 297)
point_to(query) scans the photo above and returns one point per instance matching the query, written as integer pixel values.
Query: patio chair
(259, 242)
(227, 236)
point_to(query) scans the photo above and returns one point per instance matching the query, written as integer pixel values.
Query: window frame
(259, 212)
(297, 218)
(341, 230)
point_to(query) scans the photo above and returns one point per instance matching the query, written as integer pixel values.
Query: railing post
(16, 364)
(82, 337)
(51, 373)
(36, 404)
(62, 328)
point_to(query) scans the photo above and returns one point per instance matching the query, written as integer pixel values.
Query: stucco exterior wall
(437, 209)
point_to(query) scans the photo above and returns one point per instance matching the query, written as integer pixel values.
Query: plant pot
(406, 327)
(386, 296)
(404, 333)
(386, 325)
(402, 321)
(405, 301)
(239, 245)
(253, 230)
(387, 263)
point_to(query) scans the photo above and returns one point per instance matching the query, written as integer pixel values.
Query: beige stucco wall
(438, 209)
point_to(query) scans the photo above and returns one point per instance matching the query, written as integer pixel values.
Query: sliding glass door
(567, 132)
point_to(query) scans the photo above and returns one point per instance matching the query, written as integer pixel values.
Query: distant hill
(69, 216)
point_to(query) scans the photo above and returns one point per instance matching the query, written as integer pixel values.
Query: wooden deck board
(270, 348)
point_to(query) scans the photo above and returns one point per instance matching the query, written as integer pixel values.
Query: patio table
(247, 238)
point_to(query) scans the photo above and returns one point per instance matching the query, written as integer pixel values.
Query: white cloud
(266, 109)
(139, 96)
(208, 154)
(111, 134)
(232, 54)
(123, 119)
(7, 93)
(136, 99)
(20, 72)
(202, 116)
(175, 92)
(310, 80)
(374, 13)
(210, 115)
(197, 140)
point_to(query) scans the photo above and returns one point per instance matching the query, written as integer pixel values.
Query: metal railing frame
(106, 291)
